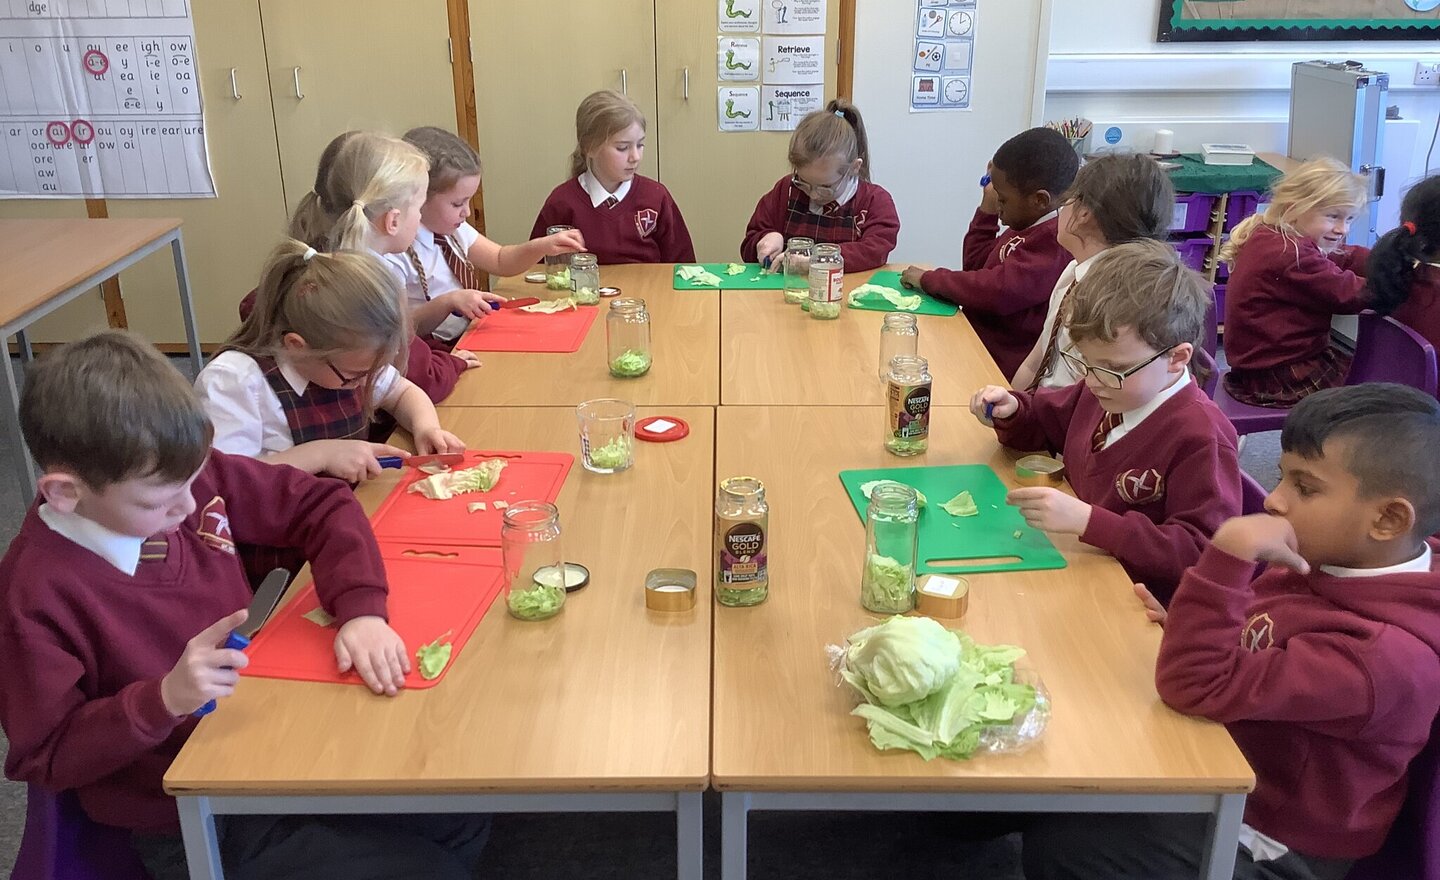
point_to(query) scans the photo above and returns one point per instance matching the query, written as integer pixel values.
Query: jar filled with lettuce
(534, 563)
(887, 579)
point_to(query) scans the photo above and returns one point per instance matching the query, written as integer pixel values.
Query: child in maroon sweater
(1152, 460)
(122, 585)
(1291, 275)
(1404, 267)
(624, 217)
(829, 198)
(1324, 668)
(1005, 283)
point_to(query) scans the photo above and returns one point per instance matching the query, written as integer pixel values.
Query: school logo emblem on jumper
(645, 221)
(1010, 247)
(1138, 486)
(1258, 634)
(860, 219)
(215, 526)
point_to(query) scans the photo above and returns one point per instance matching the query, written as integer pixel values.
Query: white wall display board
(101, 99)
(794, 60)
(944, 55)
(789, 59)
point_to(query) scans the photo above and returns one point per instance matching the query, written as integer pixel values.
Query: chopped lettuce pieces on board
(443, 486)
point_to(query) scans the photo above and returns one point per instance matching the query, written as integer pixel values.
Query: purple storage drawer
(1194, 212)
(1241, 205)
(1220, 304)
(1193, 251)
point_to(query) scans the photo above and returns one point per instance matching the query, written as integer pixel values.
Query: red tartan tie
(464, 272)
(155, 549)
(610, 202)
(1047, 363)
(1108, 423)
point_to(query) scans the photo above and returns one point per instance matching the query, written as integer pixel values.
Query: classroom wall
(1109, 68)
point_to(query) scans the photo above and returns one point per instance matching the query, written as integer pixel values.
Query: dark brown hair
(109, 408)
(1129, 196)
(450, 157)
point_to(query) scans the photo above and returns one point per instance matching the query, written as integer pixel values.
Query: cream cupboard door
(531, 70)
(337, 65)
(716, 178)
(226, 238)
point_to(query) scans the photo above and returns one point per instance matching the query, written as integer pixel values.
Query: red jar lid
(662, 429)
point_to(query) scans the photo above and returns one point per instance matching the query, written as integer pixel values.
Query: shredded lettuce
(905, 446)
(559, 280)
(825, 310)
(433, 658)
(630, 363)
(586, 296)
(961, 505)
(444, 486)
(612, 455)
(550, 307)
(868, 292)
(888, 586)
(319, 616)
(735, 269)
(698, 275)
(536, 603)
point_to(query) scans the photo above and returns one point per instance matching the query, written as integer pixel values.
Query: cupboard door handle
(234, 88)
(450, 47)
(624, 82)
(298, 94)
(687, 83)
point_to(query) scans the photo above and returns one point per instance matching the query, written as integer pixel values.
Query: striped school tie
(1108, 422)
(155, 549)
(610, 202)
(1047, 363)
(464, 272)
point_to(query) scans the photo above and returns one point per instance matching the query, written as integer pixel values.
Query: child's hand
(1002, 404)
(354, 460)
(430, 441)
(201, 675)
(911, 277)
(471, 304)
(567, 242)
(1154, 611)
(1050, 510)
(1261, 537)
(374, 650)
(772, 245)
(989, 200)
(471, 359)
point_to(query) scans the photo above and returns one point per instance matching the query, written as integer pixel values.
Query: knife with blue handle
(395, 461)
(261, 607)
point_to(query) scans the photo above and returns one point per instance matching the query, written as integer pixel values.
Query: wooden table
(685, 340)
(605, 707)
(783, 736)
(45, 264)
(772, 353)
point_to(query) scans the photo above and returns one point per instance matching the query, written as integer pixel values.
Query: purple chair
(1412, 849)
(1209, 348)
(62, 843)
(1252, 495)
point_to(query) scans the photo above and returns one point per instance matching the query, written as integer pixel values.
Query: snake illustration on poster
(944, 55)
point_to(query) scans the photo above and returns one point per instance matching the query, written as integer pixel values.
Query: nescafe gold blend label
(742, 555)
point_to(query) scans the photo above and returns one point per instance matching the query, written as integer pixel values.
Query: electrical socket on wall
(1427, 74)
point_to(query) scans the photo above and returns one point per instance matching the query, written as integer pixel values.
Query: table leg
(734, 819)
(22, 341)
(689, 836)
(1222, 836)
(202, 846)
(187, 306)
(11, 391)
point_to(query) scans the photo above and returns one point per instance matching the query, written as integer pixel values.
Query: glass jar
(907, 410)
(742, 542)
(887, 584)
(557, 268)
(827, 277)
(534, 563)
(797, 269)
(627, 338)
(899, 334)
(607, 435)
(585, 279)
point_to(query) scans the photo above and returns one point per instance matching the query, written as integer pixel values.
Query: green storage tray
(929, 305)
(988, 536)
(753, 278)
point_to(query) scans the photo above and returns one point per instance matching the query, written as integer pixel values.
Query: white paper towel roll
(1164, 142)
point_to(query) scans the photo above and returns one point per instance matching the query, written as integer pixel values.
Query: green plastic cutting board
(753, 278)
(988, 536)
(929, 305)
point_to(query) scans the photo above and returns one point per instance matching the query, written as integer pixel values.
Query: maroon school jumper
(1281, 296)
(1328, 685)
(1158, 493)
(1005, 284)
(1421, 309)
(83, 646)
(866, 227)
(644, 227)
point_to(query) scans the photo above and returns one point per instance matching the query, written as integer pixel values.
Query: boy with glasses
(1152, 460)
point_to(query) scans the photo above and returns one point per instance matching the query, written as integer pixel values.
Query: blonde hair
(362, 176)
(837, 130)
(600, 117)
(340, 302)
(1318, 183)
(450, 157)
(1144, 285)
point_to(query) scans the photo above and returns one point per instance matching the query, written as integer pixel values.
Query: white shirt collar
(598, 194)
(121, 551)
(1420, 563)
(842, 198)
(1082, 267)
(1134, 417)
(297, 382)
(1051, 216)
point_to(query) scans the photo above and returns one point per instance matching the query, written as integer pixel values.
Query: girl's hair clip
(309, 252)
(840, 113)
(1409, 226)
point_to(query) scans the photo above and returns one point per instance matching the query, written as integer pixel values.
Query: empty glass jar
(627, 338)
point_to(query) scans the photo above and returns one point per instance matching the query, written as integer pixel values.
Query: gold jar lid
(939, 595)
(1039, 470)
(670, 589)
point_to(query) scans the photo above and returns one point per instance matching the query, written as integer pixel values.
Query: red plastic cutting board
(519, 330)
(407, 516)
(439, 590)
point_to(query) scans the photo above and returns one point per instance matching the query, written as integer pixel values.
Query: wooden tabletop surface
(775, 354)
(605, 696)
(685, 341)
(781, 721)
(42, 258)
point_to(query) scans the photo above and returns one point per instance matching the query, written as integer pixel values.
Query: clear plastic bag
(914, 718)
